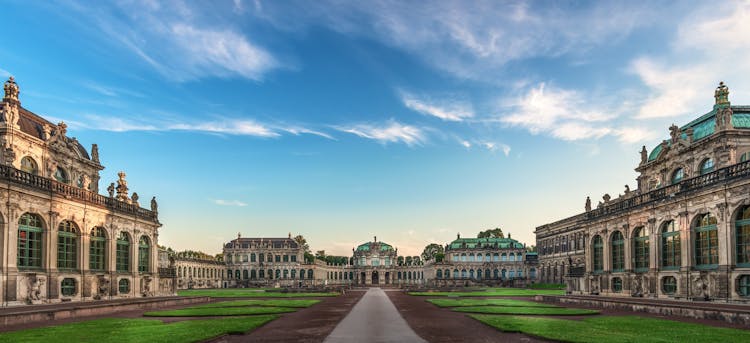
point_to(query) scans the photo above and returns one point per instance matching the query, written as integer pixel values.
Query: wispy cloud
(390, 132)
(222, 202)
(486, 145)
(445, 110)
(4, 73)
(174, 39)
(562, 113)
(709, 46)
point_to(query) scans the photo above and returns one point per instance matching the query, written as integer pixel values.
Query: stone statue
(722, 94)
(11, 90)
(111, 190)
(122, 187)
(588, 204)
(135, 198)
(154, 205)
(35, 287)
(85, 181)
(606, 198)
(627, 189)
(103, 288)
(95, 153)
(51, 168)
(62, 128)
(674, 132)
(146, 286)
(644, 155)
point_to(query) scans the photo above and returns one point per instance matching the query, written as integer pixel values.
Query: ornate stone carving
(111, 190)
(644, 155)
(122, 187)
(146, 286)
(721, 94)
(102, 289)
(95, 153)
(134, 199)
(588, 204)
(36, 282)
(154, 205)
(674, 133)
(11, 90)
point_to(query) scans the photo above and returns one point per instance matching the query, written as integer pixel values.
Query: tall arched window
(122, 255)
(641, 247)
(97, 248)
(30, 241)
(67, 245)
(29, 165)
(598, 254)
(144, 251)
(618, 252)
(707, 166)
(677, 175)
(670, 246)
(61, 175)
(742, 232)
(706, 241)
(439, 274)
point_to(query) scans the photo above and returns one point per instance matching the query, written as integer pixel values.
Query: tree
(439, 257)
(429, 252)
(302, 242)
(531, 248)
(408, 260)
(415, 260)
(309, 258)
(493, 233)
(400, 260)
(321, 255)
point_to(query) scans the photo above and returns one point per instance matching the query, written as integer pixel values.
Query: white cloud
(391, 132)
(452, 111)
(563, 113)
(710, 46)
(238, 127)
(296, 130)
(465, 143)
(4, 73)
(222, 202)
(175, 39)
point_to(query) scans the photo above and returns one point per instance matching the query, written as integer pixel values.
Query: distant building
(683, 233)
(198, 270)
(62, 241)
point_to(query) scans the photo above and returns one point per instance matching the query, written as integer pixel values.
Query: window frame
(30, 241)
(706, 242)
(641, 250)
(122, 253)
(617, 255)
(670, 252)
(67, 246)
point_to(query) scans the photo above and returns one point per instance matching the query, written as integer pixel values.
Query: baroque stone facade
(683, 233)
(195, 271)
(59, 239)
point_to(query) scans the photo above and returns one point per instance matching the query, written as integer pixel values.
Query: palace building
(256, 262)
(683, 233)
(196, 270)
(60, 239)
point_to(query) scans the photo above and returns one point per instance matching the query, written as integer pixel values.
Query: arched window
(511, 273)
(29, 165)
(669, 285)
(617, 285)
(278, 274)
(504, 257)
(463, 273)
(479, 272)
(67, 245)
(30, 241)
(455, 273)
(253, 274)
(61, 175)
(123, 286)
(598, 254)
(479, 258)
(294, 274)
(742, 232)
(447, 274)
(97, 248)
(302, 274)
(144, 250)
(463, 257)
(707, 166)
(229, 274)
(487, 257)
(261, 274)
(496, 257)
(706, 241)
(471, 257)
(744, 157)
(532, 273)
(503, 274)
(487, 274)
(496, 274)
(670, 246)
(618, 252)
(122, 258)
(309, 273)
(641, 247)
(677, 175)
(245, 275)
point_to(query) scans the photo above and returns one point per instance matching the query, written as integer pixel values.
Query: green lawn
(137, 330)
(248, 293)
(486, 302)
(545, 311)
(219, 311)
(492, 292)
(548, 286)
(614, 329)
(257, 302)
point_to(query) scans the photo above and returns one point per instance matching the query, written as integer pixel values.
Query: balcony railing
(723, 175)
(39, 183)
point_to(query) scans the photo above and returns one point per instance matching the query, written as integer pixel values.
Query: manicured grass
(492, 292)
(486, 302)
(548, 286)
(272, 302)
(219, 311)
(544, 311)
(137, 330)
(615, 329)
(248, 293)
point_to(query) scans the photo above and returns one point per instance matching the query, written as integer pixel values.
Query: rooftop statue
(721, 94)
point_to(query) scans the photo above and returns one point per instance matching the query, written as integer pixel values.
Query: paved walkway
(373, 319)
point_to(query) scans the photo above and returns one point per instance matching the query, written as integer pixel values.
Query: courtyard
(375, 315)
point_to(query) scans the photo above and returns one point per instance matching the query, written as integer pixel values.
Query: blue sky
(409, 120)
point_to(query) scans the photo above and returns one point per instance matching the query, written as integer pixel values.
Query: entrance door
(363, 278)
(387, 277)
(375, 278)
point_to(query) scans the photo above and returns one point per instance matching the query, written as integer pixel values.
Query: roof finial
(290, 235)
(11, 90)
(721, 94)
(375, 238)
(458, 235)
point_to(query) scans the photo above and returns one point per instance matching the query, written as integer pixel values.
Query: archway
(375, 277)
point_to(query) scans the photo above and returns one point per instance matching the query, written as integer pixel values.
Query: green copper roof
(741, 120)
(654, 153)
(471, 243)
(367, 246)
(703, 129)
